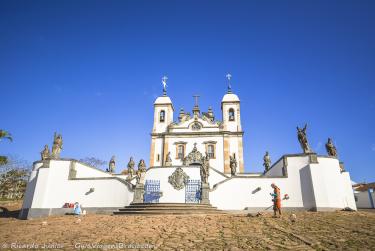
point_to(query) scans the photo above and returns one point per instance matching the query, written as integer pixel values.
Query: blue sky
(92, 69)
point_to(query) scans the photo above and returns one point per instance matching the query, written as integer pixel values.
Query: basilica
(196, 161)
(221, 141)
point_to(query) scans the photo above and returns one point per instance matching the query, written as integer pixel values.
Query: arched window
(211, 151)
(162, 116)
(181, 152)
(231, 114)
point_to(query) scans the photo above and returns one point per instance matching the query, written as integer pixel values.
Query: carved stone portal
(194, 157)
(178, 179)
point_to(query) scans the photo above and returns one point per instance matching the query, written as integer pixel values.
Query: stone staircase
(168, 208)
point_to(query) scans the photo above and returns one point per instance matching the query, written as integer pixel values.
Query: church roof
(163, 100)
(230, 97)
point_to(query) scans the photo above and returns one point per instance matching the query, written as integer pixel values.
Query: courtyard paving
(310, 231)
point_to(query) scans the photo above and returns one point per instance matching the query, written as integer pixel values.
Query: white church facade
(180, 149)
(218, 139)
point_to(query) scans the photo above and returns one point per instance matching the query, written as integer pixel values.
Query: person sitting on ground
(77, 209)
(276, 199)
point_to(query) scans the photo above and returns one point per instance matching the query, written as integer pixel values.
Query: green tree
(13, 184)
(13, 178)
(4, 135)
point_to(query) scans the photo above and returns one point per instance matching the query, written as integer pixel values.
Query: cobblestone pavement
(310, 231)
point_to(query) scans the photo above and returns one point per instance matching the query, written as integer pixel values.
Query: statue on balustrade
(331, 149)
(131, 170)
(45, 154)
(111, 165)
(57, 146)
(302, 138)
(266, 162)
(141, 172)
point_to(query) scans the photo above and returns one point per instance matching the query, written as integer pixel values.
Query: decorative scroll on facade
(196, 126)
(178, 179)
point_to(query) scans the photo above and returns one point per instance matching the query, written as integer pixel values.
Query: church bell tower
(163, 116)
(233, 134)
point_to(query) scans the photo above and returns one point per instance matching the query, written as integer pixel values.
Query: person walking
(276, 198)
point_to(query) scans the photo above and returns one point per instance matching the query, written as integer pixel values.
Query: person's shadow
(5, 213)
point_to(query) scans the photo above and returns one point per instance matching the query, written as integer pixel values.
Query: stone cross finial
(196, 110)
(229, 76)
(196, 97)
(164, 82)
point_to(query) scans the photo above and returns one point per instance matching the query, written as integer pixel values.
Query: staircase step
(166, 212)
(171, 207)
(170, 204)
(168, 208)
(165, 208)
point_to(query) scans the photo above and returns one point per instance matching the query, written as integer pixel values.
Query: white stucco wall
(237, 193)
(318, 186)
(84, 170)
(363, 199)
(52, 188)
(348, 195)
(31, 186)
(158, 151)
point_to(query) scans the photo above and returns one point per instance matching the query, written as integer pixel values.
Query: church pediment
(195, 124)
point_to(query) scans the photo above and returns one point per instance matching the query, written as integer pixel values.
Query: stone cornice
(209, 142)
(180, 143)
(220, 133)
(164, 104)
(230, 102)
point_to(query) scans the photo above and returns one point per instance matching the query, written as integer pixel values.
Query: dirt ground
(310, 231)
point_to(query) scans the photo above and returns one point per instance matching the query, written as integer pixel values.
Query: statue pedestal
(205, 193)
(138, 193)
(168, 164)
